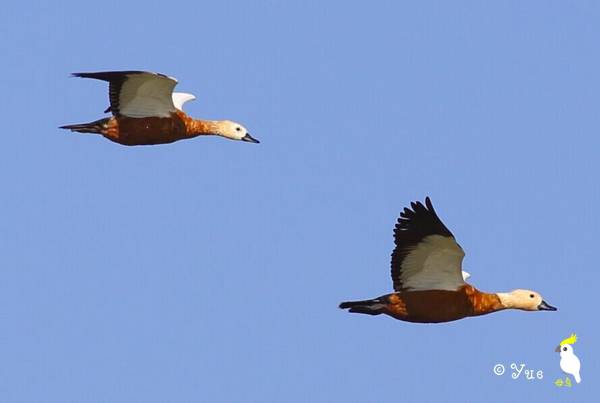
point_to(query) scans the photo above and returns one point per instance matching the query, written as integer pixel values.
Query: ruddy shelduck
(429, 283)
(146, 111)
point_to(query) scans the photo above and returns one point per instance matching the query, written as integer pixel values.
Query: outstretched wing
(179, 98)
(426, 256)
(137, 94)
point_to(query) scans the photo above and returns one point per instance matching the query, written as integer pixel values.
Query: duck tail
(368, 306)
(97, 126)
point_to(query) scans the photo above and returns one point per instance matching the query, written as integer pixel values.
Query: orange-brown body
(434, 306)
(153, 130)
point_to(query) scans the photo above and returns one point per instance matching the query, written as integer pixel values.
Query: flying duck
(146, 111)
(428, 280)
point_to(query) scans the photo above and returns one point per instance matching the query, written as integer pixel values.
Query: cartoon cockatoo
(569, 362)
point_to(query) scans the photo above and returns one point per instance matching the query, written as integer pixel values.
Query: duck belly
(429, 306)
(145, 131)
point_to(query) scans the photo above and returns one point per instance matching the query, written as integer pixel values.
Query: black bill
(544, 306)
(249, 139)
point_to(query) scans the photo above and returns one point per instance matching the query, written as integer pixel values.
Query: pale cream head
(233, 131)
(526, 300)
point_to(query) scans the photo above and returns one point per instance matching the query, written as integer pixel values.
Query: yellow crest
(569, 340)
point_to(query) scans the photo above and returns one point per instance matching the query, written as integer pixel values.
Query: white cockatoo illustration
(569, 362)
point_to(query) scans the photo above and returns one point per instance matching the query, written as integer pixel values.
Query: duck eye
(237, 129)
(531, 295)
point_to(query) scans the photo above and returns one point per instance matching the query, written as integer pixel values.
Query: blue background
(210, 270)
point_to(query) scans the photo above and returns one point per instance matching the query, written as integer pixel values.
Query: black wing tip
(118, 74)
(107, 75)
(418, 205)
(423, 216)
(96, 75)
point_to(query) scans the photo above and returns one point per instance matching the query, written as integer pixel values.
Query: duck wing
(137, 94)
(179, 98)
(426, 256)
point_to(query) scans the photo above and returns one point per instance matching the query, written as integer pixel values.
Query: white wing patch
(180, 98)
(435, 264)
(147, 95)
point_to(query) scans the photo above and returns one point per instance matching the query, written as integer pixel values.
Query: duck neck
(198, 127)
(506, 299)
(483, 302)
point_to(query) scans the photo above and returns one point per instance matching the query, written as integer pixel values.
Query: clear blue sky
(210, 270)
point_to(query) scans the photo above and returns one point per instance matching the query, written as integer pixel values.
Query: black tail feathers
(368, 307)
(93, 127)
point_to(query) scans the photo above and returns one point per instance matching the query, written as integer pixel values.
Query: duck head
(525, 300)
(233, 131)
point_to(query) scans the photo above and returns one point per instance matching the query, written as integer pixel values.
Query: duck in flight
(146, 111)
(429, 283)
